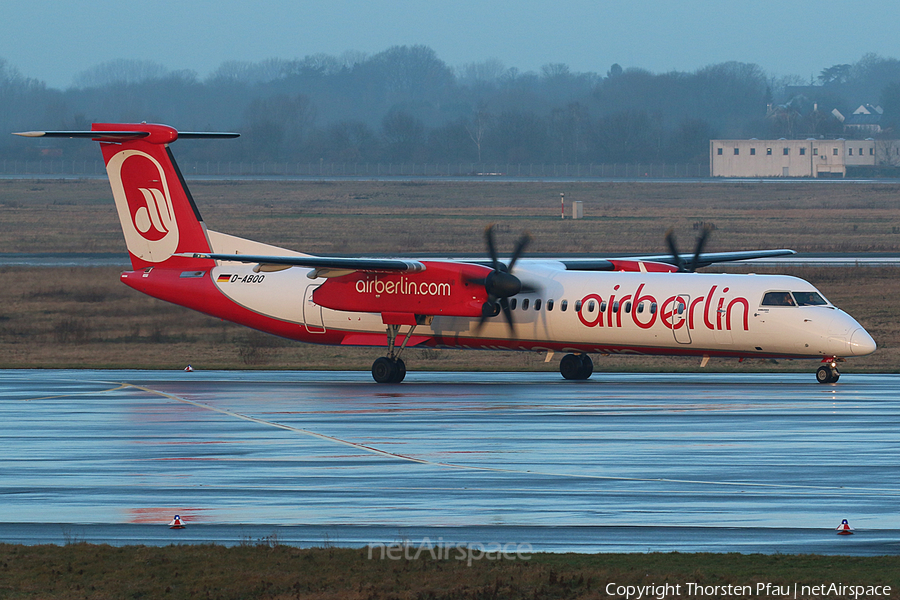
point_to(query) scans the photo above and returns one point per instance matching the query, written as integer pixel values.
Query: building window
(834, 151)
(737, 151)
(871, 151)
(802, 151)
(768, 152)
(860, 151)
(719, 151)
(785, 152)
(851, 151)
(815, 151)
(752, 151)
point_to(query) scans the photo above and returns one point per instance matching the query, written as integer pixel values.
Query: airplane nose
(861, 343)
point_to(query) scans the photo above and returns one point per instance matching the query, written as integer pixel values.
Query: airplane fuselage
(608, 312)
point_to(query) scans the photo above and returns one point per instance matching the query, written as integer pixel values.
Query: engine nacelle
(441, 289)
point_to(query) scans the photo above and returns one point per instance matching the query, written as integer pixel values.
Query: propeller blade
(701, 242)
(673, 249)
(520, 247)
(492, 250)
(504, 306)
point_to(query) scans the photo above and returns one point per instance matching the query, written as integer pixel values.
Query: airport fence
(227, 169)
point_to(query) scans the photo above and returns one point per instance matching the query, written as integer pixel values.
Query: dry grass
(279, 572)
(86, 318)
(398, 217)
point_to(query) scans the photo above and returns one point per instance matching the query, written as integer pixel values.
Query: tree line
(407, 105)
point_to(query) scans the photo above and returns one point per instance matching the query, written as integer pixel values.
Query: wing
(704, 260)
(323, 266)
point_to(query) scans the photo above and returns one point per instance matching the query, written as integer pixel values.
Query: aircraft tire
(587, 367)
(399, 371)
(826, 374)
(571, 366)
(384, 370)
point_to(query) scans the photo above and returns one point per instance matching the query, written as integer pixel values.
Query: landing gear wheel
(385, 370)
(587, 366)
(827, 374)
(576, 366)
(399, 371)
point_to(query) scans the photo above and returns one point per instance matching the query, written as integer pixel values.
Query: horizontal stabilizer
(375, 265)
(121, 136)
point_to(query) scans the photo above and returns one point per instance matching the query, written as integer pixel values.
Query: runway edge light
(844, 528)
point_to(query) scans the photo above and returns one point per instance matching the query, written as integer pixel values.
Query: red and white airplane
(655, 305)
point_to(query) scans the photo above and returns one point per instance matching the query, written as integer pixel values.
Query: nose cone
(861, 343)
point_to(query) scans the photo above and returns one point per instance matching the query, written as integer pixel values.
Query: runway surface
(622, 462)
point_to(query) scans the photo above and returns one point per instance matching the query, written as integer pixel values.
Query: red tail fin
(156, 210)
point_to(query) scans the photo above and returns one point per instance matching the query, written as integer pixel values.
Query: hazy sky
(53, 40)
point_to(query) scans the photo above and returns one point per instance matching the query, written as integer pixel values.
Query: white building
(788, 158)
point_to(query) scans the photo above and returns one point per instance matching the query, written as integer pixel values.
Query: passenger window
(615, 306)
(591, 306)
(512, 304)
(628, 307)
(537, 304)
(809, 299)
(577, 305)
(564, 305)
(653, 308)
(549, 305)
(640, 307)
(778, 299)
(525, 304)
(603, 306)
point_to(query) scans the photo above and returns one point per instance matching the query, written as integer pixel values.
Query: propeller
(683, 266)
(500, 284)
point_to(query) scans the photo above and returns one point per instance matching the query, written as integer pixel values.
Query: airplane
(650, 305)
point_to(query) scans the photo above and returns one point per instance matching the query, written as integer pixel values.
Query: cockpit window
(778, 299)
(809, 299)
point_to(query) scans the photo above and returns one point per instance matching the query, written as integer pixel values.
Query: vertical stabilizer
(156, 210)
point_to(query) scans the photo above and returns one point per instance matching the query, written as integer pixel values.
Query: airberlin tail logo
(145, 207)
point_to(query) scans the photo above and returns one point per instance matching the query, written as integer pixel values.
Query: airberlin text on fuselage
(402, 286)
(717, 310)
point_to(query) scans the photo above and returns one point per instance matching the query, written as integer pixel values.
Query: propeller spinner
(501, 284)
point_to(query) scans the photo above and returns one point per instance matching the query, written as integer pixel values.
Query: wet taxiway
(626, 462)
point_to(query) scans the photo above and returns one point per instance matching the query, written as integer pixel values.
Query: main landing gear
(828, 373)
(390, 368)
(576, 366)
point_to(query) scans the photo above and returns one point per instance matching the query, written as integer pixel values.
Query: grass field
(86, 318)
(278, 572)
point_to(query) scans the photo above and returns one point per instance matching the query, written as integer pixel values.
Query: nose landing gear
(828, 373)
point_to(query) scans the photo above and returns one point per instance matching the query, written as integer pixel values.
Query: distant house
(788, 158)
(865, 120)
